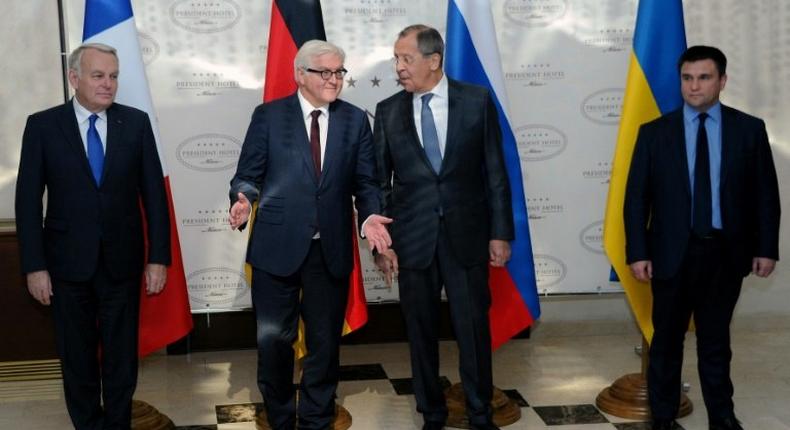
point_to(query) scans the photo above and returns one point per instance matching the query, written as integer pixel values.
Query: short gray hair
(429, 41)
(75, 58)
(316, 48)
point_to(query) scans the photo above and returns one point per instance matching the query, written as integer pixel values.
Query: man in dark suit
(442, 174)
(701, 212)
(96, 160)
(303, 159)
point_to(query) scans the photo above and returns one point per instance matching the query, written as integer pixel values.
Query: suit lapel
(728, 131)
(301, 138)
(71, 131)
(114, 133)
(678, 128)
(334, 138)
(454, 117)
(407, 115)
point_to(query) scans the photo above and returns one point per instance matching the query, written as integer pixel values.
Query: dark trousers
(96, 334)
(278, 306)
(469, 299)
(707, 286)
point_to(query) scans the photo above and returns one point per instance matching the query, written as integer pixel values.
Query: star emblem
(351, 82)
(375, 81)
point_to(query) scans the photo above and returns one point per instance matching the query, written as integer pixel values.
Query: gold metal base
(506, 410)
(341, 421)
(147, 417)
(627, 398)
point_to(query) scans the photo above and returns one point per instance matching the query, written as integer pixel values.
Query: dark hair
(429, 41)
(702, 52)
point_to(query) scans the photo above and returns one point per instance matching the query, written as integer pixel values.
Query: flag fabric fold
(292, 24)
(652, 89)
(165, 317)
(472, 56)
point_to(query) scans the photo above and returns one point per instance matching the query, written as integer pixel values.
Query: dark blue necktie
(430, 139)
(95, 150)
(701, 220)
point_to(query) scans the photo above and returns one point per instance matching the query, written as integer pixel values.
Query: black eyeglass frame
(327, 74)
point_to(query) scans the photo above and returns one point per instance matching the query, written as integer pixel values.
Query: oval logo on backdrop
(537, 142)
(148, 48)
(219, 287)
(205, 17)
(549, 270)
(210, 152)
(535, 13)
(604, 106)
(591, 237)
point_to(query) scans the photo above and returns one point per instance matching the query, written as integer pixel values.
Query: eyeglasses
(327, 74)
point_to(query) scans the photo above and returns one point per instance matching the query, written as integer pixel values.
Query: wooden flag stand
(147, 417)
(506, 410)
(627, 396)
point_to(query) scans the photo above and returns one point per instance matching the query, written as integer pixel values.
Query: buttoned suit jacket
(276, 169)
(657, 209)
(471, 191)
(84, 220)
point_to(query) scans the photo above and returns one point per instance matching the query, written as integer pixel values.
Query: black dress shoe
(432, 425)
(662, 425)
(726, 424)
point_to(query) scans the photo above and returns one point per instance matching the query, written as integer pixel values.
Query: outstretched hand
(239, 212)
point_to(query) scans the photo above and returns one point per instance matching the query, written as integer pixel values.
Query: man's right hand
(240, 212)
(642, 270)
(40, 286)
(387, 261)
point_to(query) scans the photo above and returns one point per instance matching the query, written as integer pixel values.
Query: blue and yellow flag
(652, 89)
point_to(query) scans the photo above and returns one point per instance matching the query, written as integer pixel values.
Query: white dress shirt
(439, 106)
(83, 121)
(323, 121)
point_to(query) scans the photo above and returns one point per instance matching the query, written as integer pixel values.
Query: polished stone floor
(555, 375)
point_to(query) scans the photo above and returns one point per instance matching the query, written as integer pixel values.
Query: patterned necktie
(315, 141)
(701, 221)
(95, 150)
(430, 139)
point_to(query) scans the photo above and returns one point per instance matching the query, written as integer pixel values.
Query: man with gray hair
(304, 157)
(96, 160)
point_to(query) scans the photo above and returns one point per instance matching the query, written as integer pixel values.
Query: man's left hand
(499, 252)
(762, 266)
(375, 231)
(155, 277)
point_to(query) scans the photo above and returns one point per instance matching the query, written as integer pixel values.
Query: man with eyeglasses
(303, 159)
(443, 180)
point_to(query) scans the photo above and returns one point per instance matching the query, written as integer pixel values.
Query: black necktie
(701, 225)
(315, 141)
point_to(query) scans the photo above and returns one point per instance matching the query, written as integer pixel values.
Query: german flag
(293, 23)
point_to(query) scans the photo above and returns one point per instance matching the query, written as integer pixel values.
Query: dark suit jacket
(276, 168)
(83, 219)
(471, 190)
(657, 209)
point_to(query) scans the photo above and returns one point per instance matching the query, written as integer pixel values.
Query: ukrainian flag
(652, 89)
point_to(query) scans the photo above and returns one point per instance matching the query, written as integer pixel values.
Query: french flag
(165, 317)
(472, 56)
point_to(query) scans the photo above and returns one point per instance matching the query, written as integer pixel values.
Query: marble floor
(555, 376)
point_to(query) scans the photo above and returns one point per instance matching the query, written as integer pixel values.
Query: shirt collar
(714, 113)
(308, 108)
(440, 90)
(83, 113)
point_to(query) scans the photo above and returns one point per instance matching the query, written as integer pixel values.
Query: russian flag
(652, 89)
(165, 317)
(472, 56)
